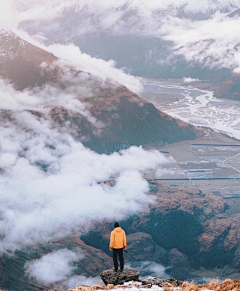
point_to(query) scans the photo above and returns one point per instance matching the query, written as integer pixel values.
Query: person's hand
(110, 248)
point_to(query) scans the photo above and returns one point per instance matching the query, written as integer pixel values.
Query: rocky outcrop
(118, 278)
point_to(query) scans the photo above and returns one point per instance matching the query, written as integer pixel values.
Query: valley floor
(202, 163)
(206, 161)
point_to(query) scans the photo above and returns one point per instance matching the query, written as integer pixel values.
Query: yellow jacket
(118, 238)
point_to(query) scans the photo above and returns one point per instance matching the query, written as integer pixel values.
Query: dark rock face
(177, 229)
(131, 121)
(118, 278)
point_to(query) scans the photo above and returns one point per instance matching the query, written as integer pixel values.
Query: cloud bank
(104, 70)
(53, 267)
(52, 184)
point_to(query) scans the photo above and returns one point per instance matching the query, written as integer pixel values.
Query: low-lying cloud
(39, 206)
(53, 267)
(150, 268)
(52, 184)
(104, 70)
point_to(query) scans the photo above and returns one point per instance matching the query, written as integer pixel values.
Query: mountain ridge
(109, 103)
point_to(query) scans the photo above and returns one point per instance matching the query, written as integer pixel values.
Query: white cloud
(53, 267)
(7, 13)
(104, 70)
(38, 206)
(213, 42)
(12, 100)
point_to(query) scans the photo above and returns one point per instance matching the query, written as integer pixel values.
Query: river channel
(195, 106)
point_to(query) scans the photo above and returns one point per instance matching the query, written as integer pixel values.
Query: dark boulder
(118, 278)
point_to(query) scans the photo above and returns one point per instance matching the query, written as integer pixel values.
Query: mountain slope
(20, 61)
(229, 88)
(122, 118)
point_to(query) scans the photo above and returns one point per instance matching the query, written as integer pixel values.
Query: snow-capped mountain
(171, 40)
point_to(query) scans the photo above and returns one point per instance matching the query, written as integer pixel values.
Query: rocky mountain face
(186, 230)
(122, 118)
(21, 61)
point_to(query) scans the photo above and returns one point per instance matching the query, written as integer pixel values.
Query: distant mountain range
(135, 40)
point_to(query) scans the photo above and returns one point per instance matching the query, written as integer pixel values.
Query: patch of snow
(132, 282)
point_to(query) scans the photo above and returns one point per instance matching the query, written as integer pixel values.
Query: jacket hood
(118, 229)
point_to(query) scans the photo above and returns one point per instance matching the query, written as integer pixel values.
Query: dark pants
(119, 253)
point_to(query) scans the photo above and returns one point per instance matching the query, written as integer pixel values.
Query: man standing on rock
(118, 243)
